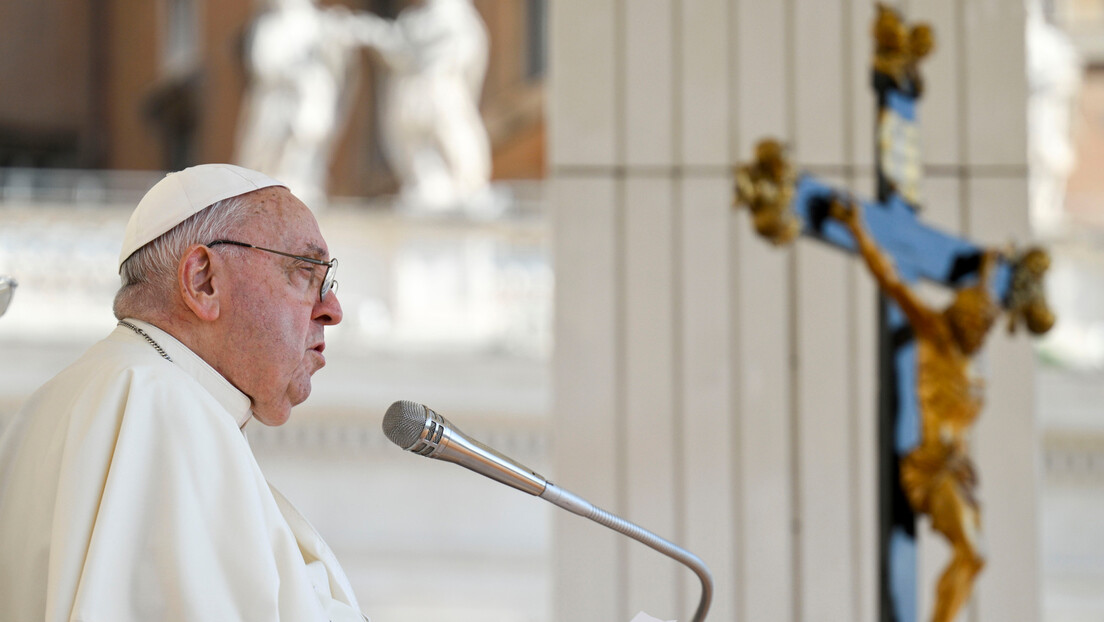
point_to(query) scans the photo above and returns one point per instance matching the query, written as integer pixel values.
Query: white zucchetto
(179, 195)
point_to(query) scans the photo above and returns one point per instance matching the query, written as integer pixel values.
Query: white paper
(643, 617)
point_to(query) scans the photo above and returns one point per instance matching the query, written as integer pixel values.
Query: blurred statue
(300, 60)
(765, 186)
(435, 52)
(1054, 70)
(7, 288)
(938, 476)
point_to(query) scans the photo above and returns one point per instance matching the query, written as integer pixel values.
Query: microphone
(417, 428)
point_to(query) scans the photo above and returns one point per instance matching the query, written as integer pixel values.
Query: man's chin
(272, 418)
(278, 414)
(297, 394)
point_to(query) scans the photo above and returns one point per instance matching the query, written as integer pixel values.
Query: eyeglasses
(328, 282)
(7, 288)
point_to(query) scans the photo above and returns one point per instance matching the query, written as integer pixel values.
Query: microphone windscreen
(404, 421)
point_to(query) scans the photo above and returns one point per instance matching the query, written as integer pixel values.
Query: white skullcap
(179, 195)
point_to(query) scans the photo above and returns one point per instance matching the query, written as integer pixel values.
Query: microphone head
(404, 421)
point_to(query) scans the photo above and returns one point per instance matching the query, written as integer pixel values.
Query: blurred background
(445, 228)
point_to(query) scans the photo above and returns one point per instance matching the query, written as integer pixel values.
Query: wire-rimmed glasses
(328, 281)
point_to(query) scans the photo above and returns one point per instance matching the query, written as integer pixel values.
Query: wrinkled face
(274, 318)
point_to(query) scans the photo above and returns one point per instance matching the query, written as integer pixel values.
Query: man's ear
(196, 276)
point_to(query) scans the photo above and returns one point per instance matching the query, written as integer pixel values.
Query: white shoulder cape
(129, 493)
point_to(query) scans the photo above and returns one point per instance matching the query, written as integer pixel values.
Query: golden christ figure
(937, 476)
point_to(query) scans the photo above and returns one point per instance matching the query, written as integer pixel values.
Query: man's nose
(328, 310)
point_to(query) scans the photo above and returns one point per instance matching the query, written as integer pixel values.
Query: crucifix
(928, 397)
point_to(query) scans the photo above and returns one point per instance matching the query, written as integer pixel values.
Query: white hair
(149, 275)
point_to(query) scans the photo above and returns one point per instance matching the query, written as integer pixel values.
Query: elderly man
(127, 489)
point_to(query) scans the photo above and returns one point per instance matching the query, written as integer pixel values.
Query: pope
(128, 490)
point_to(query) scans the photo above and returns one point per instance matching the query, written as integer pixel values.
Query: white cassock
(128, 492)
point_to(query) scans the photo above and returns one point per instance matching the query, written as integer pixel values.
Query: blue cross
(784, 205)
(919, 251)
